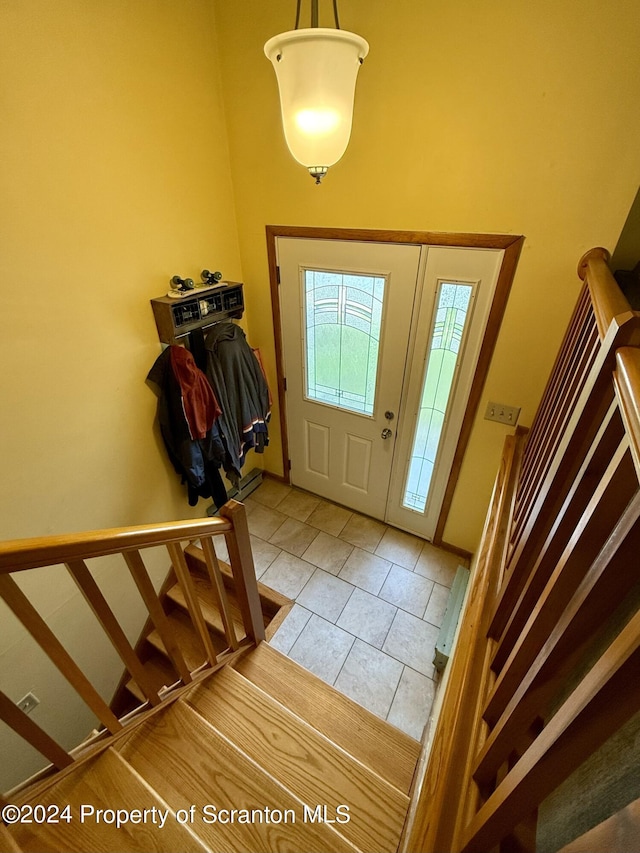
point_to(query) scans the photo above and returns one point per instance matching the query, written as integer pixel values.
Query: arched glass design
(451, 316)
(343, 320)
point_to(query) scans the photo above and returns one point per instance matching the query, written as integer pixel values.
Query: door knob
(386, 433)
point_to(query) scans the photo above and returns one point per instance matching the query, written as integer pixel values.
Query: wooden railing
(73, 551)
(547, 665)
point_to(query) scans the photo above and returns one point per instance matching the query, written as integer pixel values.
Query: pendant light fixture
(316, 70)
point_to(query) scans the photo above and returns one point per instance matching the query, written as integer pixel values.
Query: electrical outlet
(502, 414)
(28, 703)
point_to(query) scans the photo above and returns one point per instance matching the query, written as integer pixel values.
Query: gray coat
(239, 384)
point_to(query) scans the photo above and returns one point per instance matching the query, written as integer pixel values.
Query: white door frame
(511, 244)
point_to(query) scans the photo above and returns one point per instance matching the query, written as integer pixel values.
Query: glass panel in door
(343, 321)
(451, 317)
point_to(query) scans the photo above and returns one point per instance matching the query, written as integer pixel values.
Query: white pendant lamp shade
(316, 70)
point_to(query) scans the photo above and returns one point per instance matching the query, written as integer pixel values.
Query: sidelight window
(451, 318)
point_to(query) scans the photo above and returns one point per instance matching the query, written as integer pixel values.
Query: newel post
(244, 573)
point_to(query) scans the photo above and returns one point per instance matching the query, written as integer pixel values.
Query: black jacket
(190, 457)
(241, 389)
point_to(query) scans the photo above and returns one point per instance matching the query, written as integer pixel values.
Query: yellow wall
(497, 116)
(115, 176)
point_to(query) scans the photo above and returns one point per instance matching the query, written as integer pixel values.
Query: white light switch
(502, 414)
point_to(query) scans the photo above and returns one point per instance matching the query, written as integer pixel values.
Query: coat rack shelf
(177, 317)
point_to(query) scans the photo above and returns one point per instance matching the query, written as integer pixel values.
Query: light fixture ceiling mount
(316, 69)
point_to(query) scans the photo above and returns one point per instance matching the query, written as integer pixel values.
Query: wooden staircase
(152, 649)
(305, 768)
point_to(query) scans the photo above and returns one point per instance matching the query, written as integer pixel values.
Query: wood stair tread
(161, 673)
(106, 782)
(376, 743)
(312, 767)
(271, 614)
(275, 607)
(189, 762)
(271, 599)
(209, 605)
(187, 638)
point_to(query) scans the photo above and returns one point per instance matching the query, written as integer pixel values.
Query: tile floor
(369, 599)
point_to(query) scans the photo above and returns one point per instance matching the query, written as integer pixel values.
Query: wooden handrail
(605, 699)
(73, 550)
(442, 797)
(546, 667)
(19, 554)
(609, 302)
(627, 383)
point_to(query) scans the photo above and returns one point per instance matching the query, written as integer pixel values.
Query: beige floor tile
(347, 569)
(328, 553)
(369, 677)
(270, 492)
(325, 595)
(262, 520)
(322, 648)
(298, 505)
(400, 548)
(367, 617)
(294, 536)
(264, 553)
(437, 604)
(407, 590)
(365, 570)
(412, 703)
(363, 532)
(329, 518)
(290, 630)
(412, 641)
(438, 565)
(288, 574)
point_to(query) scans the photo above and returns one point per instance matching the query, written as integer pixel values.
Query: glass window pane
(343, 319)
(450, 319)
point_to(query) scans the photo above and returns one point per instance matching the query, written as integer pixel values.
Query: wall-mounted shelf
(202, 307)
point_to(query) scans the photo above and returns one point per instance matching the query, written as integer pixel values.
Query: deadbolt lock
(389, 416)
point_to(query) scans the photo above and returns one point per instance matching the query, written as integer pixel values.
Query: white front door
(346, 312)
(380, 343)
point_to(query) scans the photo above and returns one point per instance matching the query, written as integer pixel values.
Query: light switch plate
(502, 414)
